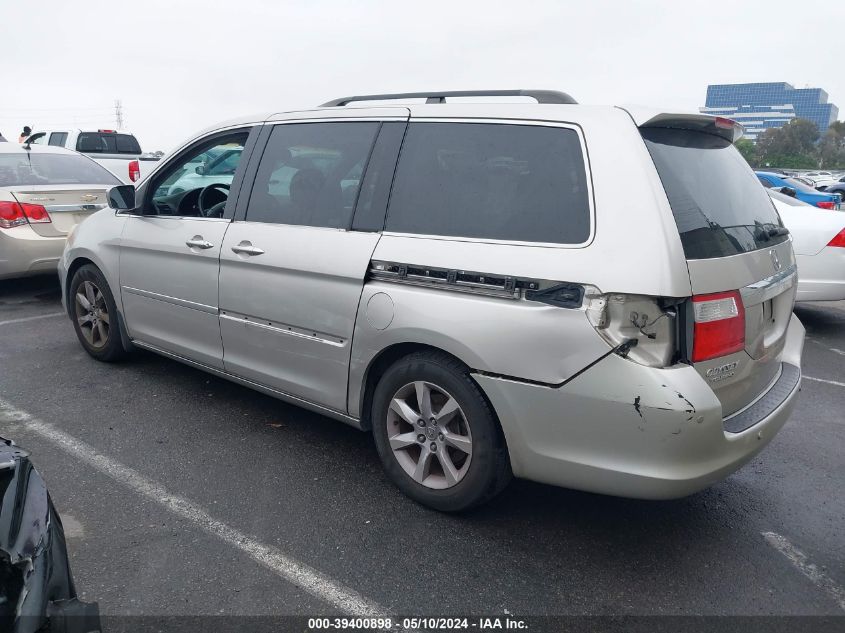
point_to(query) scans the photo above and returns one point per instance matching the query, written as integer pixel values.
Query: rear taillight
(11, 215)
(839, 240)
(826, 204)
(134, 170)
(35, 213)
(719, 327)
(15, 214)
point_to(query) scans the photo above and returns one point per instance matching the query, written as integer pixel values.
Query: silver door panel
(188, 332)
(169, 287)
(288, 313)
(300, 402)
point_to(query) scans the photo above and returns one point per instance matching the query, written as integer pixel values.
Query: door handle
(197, 241)
(246, 248)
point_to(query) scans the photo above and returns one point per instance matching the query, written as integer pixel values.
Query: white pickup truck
(117, 151)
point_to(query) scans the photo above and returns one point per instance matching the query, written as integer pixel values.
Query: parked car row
(802, 191)
(818, 180)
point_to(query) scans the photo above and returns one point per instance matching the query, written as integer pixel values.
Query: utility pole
(118, 114)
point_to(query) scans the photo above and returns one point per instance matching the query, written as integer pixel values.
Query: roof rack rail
(542, 96)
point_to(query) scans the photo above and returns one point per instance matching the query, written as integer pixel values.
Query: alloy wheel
(429, 435)
(92, 314)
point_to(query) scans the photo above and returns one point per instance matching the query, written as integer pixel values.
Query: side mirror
(122, 197)
(788, 191)
(200, 170)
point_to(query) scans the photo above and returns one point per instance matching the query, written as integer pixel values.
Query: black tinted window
(310, 174)
(58, 138)
(107, 143)
(491, 181)
(126, 144)
(719, 206)
(31, 168)
(375, 188)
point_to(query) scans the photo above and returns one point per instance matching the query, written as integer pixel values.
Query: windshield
(30, 168)
(718, 204)
(800, 186)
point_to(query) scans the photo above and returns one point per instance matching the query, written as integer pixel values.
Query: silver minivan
(592, 297)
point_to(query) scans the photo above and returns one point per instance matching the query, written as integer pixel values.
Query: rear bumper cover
(23, 252)
(623, 429)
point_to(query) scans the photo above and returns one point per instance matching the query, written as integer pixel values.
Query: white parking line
(288, 568)
(826, 381)
(33, 318)
(800, 561)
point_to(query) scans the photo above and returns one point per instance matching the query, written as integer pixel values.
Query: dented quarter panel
(520, 338)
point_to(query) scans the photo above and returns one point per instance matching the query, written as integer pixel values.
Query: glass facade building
(766, 105)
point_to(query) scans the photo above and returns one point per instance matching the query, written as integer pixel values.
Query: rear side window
(310, 174)
(36, 168)
(719, 206)
(58, 139)
(519, 183)
(107, 143)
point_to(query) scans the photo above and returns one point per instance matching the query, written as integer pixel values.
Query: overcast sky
(179, 66)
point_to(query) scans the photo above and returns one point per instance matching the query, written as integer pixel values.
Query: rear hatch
(64, 206)
(739, 256)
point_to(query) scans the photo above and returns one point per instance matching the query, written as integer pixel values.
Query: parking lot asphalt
(768, 540)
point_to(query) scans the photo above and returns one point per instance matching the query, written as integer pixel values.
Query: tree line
(797, 145)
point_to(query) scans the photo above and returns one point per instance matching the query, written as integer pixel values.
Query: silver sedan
(45, 192)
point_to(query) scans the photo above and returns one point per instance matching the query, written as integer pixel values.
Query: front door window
(198, 184)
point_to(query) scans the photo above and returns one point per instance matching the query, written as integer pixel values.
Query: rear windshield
(719, 206)
(30, 168)
(107, 143)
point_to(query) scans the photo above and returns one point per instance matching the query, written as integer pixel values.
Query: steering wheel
(207, 212)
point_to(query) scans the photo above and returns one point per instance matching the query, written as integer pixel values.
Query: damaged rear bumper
(624, 429)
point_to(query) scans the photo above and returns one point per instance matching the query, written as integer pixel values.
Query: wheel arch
(387, 357)
(78, 262)
(75, 265)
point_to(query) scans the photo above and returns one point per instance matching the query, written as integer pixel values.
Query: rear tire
(94, 315)
(462, 461)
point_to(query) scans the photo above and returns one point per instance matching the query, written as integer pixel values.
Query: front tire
(437, 437)
(94, 315)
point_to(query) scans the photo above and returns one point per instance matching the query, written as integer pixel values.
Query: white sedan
(819, 243)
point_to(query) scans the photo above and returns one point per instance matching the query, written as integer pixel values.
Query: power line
(59, 110)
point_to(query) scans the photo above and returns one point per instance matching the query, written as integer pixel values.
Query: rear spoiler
(718, 126)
